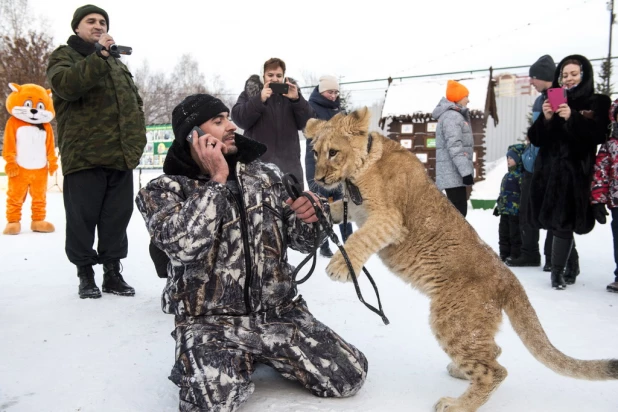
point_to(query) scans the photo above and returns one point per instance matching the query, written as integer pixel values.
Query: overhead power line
(416, 76)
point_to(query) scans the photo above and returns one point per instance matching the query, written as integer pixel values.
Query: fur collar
(254, 85)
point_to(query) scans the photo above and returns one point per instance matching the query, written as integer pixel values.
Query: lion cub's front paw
(337, 269)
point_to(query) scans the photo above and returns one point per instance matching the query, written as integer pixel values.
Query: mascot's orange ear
(49, 93)
(15, 87)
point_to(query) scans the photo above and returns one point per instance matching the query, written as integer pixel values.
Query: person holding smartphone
(567, 137)
(272, 110)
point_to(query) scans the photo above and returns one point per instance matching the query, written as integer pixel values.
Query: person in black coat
(567, 141)
(274, 119)
(326, 103)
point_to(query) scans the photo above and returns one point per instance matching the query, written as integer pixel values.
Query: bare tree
(24, 50)
(162, 93)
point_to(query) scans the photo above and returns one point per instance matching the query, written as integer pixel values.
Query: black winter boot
(87, 287)
(524, 260)
(561, 248)
(325, 250)
(572, 267)
(113, 281)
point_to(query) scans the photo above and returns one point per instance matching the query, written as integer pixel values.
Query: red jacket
(605, 180)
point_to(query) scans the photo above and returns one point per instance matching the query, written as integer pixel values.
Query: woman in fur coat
(567, 141)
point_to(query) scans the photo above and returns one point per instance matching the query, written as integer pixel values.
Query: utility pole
(610, 7)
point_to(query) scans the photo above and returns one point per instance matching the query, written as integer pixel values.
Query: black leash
(295, 190)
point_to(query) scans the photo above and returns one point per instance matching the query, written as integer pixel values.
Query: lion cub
(424, 240)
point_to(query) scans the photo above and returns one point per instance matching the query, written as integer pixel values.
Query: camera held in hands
(115, 50)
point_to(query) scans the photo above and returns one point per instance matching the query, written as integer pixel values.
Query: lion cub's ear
(358, 120)
(313, 127)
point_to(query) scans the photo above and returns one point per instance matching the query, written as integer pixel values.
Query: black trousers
(100, 199)
(509, 236)
(459, 198)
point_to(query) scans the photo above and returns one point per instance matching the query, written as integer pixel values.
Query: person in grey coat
(222, 218)
(454, 145)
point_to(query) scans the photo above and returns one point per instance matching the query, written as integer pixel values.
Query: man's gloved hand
(599, 212)
(468, 180)
(496, 211)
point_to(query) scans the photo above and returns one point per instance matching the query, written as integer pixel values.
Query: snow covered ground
(59, 353)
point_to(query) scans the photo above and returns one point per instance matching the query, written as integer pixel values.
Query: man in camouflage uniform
(101, 134)
(224, 221)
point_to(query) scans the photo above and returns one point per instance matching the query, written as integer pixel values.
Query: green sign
(431, 143)
(161, 147)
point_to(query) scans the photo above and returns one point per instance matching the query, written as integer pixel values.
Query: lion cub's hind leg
(467, 336)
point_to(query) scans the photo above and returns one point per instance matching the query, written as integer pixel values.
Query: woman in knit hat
(326, 102)
(454, 145)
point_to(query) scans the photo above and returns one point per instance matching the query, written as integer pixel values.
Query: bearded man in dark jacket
(223, 220)
(567, 138)
(101, 135)
(274, 119)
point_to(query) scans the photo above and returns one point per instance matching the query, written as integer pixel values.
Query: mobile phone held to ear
(556, 97)
(199, 131)
(279, 88)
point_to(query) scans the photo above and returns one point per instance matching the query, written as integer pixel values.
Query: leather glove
(468, 180)
(11, 169)
(599, 212)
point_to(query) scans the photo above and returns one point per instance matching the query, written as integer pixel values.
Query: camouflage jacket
(227, 256)
(98, 109)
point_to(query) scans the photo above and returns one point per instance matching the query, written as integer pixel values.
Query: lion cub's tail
(526, 323)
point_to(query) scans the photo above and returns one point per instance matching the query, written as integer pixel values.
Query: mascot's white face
(30, 104)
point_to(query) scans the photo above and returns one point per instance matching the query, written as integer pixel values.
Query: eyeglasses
(332, 92)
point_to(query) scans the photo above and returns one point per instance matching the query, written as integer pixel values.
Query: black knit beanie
(83, 11)
(543, 69)
(193, 111)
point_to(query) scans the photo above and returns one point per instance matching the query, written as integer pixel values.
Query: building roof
(423, 95)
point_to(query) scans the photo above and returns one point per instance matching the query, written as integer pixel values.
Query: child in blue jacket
(507, 205)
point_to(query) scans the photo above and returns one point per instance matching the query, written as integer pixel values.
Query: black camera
(116, 50)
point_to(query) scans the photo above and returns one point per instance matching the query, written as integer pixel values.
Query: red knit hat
(456, 91)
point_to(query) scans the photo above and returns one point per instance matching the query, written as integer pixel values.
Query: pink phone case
(556, 97)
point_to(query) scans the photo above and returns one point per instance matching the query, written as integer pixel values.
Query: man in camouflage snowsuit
(101, 135)
(224, 221)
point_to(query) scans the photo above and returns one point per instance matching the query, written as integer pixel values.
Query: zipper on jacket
(245, 241)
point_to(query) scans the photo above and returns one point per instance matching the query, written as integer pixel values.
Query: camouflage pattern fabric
(225, 258)
(215, 356)
(99, 111)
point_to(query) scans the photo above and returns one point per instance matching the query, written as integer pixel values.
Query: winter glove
(468, 180)
(599, 212)
(11, 169)
(52, 168)
(496, 212)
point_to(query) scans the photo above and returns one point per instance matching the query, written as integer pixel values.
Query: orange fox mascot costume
(29, 154)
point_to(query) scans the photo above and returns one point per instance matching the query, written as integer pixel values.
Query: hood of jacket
(586, 87)
(445, 105)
